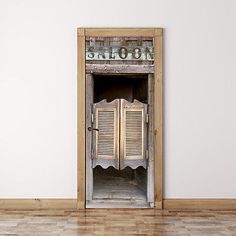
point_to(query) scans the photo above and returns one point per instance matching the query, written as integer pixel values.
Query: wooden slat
(119, 69)
(121, 32)
(200, 204)
(158, 121)
(81, 121)
(33, 204)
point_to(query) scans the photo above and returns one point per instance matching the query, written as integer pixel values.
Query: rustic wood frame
(157, 34)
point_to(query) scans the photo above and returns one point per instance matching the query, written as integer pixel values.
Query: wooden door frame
(157, 34)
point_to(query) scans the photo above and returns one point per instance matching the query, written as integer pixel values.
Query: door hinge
(147, 118)
(147, 154)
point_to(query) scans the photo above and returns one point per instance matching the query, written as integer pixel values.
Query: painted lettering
(136, 53)
(123, 52)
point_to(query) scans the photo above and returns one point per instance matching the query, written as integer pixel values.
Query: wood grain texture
(119, 69)
(168, 204)
(119, 32)
(89, 103)
(81, 120)
(158, 108)
(32, 204)
(200, 204)
(133, 134)
(117, 222)
(81, 32)
(150, 168)
(106, 140)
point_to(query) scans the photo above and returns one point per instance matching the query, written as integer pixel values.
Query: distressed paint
(120, 53)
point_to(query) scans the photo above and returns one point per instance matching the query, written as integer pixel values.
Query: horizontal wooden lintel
(121, 32)
(119, 69)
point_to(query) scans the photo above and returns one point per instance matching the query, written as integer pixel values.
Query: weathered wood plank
(150, 169)
(118, 39)
(81, 120)
(106, 147)
(119, 69)
(89, 170)
(119, 32)
(158, 123)
(125, 204)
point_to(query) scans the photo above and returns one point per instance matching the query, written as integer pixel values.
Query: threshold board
(99, 203)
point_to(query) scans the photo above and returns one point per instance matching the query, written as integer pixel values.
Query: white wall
(38, 92)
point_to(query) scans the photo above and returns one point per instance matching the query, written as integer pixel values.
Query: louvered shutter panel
(106, 138)
(133, 141)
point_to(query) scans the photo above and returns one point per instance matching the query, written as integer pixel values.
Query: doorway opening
(126, 186)
(120, 181)
(128, 87)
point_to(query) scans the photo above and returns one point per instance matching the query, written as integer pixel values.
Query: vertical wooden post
(89, 170)
(158, 119)
(150, 168)
(81, 119)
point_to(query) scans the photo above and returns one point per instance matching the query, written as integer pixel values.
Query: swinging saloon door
(105, 131)
(119, 134)
(133, 135)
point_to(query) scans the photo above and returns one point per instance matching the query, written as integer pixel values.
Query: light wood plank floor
(117, 222)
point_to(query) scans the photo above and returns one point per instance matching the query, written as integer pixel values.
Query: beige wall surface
(38, 92)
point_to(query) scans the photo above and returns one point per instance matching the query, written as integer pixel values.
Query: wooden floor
(117, 222)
